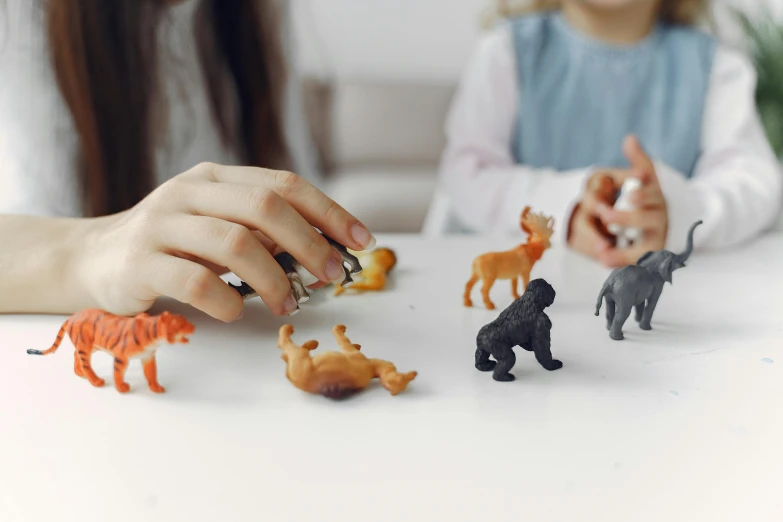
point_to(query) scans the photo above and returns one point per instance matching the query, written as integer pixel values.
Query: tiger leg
(84, 352)
(120, 365)
(151, 373)
(77, 365)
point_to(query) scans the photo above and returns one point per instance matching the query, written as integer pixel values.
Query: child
(624, 87)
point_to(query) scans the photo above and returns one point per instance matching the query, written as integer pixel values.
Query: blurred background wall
(381, 74)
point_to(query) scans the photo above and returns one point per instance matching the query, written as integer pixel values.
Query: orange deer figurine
(514, 263)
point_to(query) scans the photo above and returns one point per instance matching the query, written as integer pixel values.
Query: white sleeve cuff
(556, 196)
(683, 207)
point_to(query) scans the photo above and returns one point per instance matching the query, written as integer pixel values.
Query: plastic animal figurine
(626, 236)
(124, 338)
(336, 375)
(522, 324)
(381, 262)
(640, 286)
(602, 186)
(514, 263)
(301, 278)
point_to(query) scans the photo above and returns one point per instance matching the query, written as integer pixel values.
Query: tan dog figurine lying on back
(336, 375)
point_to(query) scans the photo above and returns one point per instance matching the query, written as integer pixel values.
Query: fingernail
(362, 236)
(334, 270)
(290, 305)
(241, 314)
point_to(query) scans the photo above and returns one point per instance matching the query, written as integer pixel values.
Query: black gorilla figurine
(523, 324)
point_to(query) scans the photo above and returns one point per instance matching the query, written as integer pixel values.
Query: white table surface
(680, 423)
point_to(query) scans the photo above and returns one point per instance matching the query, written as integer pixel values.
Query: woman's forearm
(39, 264)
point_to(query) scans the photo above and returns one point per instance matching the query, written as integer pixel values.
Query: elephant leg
(644, 324)
(622, 313)
(639, 311)
(610, 310)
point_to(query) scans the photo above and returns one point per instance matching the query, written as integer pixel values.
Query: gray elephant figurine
(640, 286)
(300, 277)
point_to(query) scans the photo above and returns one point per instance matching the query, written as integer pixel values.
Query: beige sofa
(379, 146)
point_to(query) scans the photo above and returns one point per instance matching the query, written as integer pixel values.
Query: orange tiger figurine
(124, 338)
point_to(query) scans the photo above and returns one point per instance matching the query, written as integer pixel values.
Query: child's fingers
(645, 219)
(648, 197)
(591, 203)
(615, 257)
(586, 239)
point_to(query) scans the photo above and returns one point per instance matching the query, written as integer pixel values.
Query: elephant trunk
(683, 257)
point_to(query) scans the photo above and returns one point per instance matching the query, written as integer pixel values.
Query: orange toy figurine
(336, 375)
(124, 338)
(512, 264)
(603, 187)
(380, 262)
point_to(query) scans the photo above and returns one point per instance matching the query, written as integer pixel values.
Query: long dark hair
(105, 58)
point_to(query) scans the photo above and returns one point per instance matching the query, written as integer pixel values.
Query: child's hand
(650, 216)
(583, 234)
(178, 239)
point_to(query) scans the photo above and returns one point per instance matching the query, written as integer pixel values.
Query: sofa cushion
(391, 200)
(358, 124)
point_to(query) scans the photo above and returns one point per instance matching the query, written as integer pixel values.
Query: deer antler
(523, 221)
(538, 224)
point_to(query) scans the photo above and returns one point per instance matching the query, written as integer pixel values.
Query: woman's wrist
(40, 266)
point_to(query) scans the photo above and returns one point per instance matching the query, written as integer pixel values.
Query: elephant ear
(644, 257)
(667, 268)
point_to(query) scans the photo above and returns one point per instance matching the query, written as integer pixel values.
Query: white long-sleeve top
(736, 189)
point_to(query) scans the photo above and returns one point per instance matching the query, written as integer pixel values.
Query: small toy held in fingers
(511, 264)
(379, 262)
(300, 278)
(336, 375)
(640, 286)
(603, 188)
(124, 338)
(522, 324)
(626, 236)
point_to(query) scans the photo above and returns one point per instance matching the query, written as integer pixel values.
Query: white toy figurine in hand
(626, 236)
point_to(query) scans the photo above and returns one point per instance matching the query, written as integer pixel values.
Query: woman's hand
(207, 221)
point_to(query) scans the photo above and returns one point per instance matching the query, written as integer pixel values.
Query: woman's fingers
(233, 246)
(315, 206)
(263, 209)
(194, 284)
